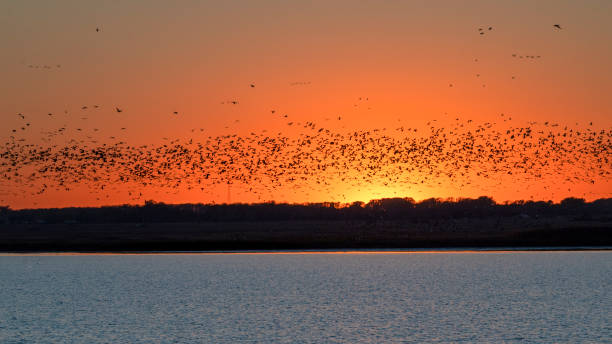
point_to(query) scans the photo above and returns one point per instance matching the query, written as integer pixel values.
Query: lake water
(522, 297)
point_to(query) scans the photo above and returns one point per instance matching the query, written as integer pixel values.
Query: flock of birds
(316, 159)
(57, 66)
(526, 56)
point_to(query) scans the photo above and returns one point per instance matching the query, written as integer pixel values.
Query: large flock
(316, 157)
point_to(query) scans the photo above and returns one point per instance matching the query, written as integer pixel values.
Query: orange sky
(151, 58)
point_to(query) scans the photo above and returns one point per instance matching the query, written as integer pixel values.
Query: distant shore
(442, 250)
(295, 235)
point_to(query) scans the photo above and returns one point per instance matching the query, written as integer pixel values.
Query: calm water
(539, 297)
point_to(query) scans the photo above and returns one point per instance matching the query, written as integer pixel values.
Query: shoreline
(296, 236)
(449, 250)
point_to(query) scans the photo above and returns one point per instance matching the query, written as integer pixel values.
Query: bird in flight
(557, 26)
(252, 85)
(118, 109)
(482, 30)
(175, 112)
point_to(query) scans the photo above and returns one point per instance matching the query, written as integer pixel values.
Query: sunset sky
(414, 61)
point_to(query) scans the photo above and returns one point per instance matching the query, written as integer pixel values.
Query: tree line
(386, 209)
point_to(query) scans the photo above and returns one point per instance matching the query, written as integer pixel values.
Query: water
(522, 297)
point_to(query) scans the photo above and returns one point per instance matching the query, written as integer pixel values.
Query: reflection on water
(307, 298)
